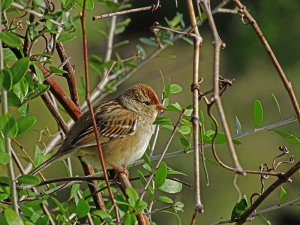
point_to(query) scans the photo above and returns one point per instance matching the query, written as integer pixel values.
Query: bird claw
(121, 169)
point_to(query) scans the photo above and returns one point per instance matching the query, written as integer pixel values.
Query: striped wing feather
(113, 122)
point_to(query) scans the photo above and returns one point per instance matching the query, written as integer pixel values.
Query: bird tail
(47, 163)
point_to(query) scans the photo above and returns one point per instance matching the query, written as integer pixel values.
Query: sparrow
(125, 126)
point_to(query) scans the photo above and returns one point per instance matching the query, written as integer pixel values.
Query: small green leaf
(4, 158)
(258, 113)
(54, 69)
(165, 199)
(25, 123)
(239, 209)
(39, 73)
(29, 179)
(264, 219)
(140, 205)
(132, 196)
(13, 100)
(171, 186)
(65, 37)
(10, 39)
(9, 125)
(174, 107)
(5, 4)
(184, 142)
(175, 88)
(142, 177)
(148, 41)
(179, 206)
(6, 79)
(12, 218)
(19, 69)
(282, 194)
(130, 219)
(289, 137)
(277, 104)
(82, 208)
(184, 130)
(238, 126)
(161, 174)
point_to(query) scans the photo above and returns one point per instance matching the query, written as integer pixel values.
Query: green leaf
(12, 218)
(239, 209)
(65, 37)
(38, 73)
(238, 126)
(184, 129)
(165, 199)
(25, 123)
(175, 88)
(132, 196)
(19, 69)
(161, 174)
(264, 219)
(171, 186)
(282, 195)
(5, 4)
(142, 177)
(184, 142)
(258, 113)
(148, 41)
(82, 208)
(10, 39)
(130, 219)
(277, 104)
(54, 69)
(13, 100)
(4, 158)
(6, 79)
(89, 4)
(179, 206)
(9, 125)
(140, 205)
(29, 180)
(289, 137)
(174, 107)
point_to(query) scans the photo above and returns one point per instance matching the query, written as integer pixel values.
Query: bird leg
(121, 169)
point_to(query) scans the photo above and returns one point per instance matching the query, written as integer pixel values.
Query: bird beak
(160, 107)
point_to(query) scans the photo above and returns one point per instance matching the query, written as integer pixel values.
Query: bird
(125, 126)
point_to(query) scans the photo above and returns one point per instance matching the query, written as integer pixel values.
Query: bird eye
(147, 103)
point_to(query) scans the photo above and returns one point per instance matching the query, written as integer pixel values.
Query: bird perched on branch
(125, 127)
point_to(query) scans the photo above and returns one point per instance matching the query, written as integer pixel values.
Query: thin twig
(287, 84)
(71, 74)
(216, 84)
(87, 97)
(195, 117)
(7, 140)
(151, 7)
(40, 15)
(283, 178)
(162, 156)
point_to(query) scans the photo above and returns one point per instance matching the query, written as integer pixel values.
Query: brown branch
(218, 44)
(283, 178)
(61, 95)
(287, 84)
(151, 7)
(71, 74)
(195, 117)
(87, 97)
(60, 121)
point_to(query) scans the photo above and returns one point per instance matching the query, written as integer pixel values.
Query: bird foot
(121, 169)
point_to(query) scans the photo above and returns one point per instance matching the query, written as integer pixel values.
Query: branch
(283, 178)
(7, 140)
(287, 84)
(195, 117)
(87, 97)
(151, 7)
(218, 44)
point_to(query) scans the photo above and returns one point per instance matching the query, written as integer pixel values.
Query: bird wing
(113, 122)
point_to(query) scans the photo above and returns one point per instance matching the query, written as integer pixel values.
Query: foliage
(28, 74)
